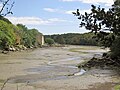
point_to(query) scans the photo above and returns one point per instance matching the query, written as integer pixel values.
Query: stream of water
(44, 65)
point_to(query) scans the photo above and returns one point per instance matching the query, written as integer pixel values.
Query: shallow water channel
(64, 68)
(53, 70)
(51, 65)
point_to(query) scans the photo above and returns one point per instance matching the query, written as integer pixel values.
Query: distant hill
(13, 35)
(74, 38)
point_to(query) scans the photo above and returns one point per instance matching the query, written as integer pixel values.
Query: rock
(5, 52)
(12, 48)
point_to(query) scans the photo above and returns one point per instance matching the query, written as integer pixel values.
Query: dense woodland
(74, 39)
(17, 35)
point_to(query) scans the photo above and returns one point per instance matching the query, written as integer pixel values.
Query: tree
(105, 24)
(6, 7)
(7, 35)
(60, 39)
(11, 35)
(49, 41)
(23, 32)
(29, 37)
(74, 38)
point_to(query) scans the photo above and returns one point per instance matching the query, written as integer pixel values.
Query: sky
(52, 16)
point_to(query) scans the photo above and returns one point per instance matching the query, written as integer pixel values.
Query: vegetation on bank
(74, 39)
(117, 87)
(14, 37)
(49, 41)
(105, 24)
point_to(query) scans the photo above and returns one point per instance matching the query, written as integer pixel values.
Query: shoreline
(33, 65)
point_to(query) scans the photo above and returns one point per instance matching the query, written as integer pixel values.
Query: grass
(117, 87)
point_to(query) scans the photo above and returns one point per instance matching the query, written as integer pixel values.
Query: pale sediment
(52, 69)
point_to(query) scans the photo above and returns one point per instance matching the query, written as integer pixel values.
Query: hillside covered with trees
(17, 36)
(74, 39)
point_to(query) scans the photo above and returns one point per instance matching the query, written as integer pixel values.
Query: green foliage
(4, 19)
(74, 39)
(49, 41)
(7, 35)
(32, 35)
(117, 87)
(116, 6)
(115, 47)
(105, 24)
(60, 39)
(28, 36)
(11, 35)
(25, 38)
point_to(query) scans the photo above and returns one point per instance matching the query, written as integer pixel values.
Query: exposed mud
(55, 69)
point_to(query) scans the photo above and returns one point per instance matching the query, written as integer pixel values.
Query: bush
(49, 41)
(115, 48)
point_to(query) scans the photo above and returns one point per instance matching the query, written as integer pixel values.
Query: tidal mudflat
(54, 68)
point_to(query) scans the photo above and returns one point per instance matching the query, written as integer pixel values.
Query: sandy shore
(50, 69)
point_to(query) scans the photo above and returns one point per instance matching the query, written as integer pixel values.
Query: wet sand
(53, 69)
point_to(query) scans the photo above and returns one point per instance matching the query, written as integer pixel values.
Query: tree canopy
(11, 35)
(7, 35)
(74, 39)
(104, 23)
(49, 41)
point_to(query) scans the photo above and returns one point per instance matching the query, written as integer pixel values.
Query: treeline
(17, 36)
(74, 39)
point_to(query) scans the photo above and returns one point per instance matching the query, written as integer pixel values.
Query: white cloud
(50, 9)
(28, 20)
(34, 20)
(1, 5)
(57, 20)
(70, 11)
(63, 12)
(106, 2)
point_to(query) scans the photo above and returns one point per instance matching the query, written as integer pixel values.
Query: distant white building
(43, 40)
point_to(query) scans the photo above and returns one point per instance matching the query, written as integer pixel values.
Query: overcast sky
(52, 16)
